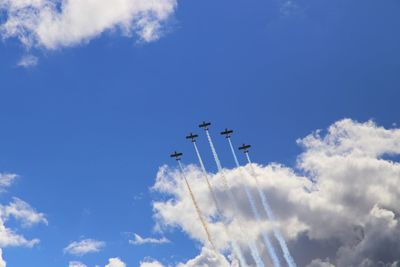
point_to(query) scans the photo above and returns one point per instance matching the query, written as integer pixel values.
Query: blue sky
(88, 126)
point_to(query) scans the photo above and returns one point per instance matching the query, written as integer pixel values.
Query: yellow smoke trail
(199, 214)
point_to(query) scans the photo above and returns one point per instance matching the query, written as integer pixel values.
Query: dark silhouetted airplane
(192, 137)
(227, 133)
(176, 155)
(245, 148)
(205, 125)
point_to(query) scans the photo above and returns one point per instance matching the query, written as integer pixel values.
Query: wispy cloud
(83, 247)
(28, 61)
(76, 264)
(112, 262)
(289, 7)
(138, 240)
(151, 263)
(6, 180)
(9, 238)
(23, 213)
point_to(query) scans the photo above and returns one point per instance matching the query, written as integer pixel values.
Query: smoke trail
(206, 177)
(270, 247)
(214, 151)
(286, 253)
(203, 222)
(236, 248)
(253, 247)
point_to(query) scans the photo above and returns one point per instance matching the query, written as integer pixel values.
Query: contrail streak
(270, 247)
(213, 195)
(199, 214)
(236, 248)
(286, 253)
(253, 247)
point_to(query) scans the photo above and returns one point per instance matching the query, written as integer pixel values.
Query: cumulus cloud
(115, 262)
(342, 195)
(207, 258)
(84, 247)
(138, 240)
(54, 23)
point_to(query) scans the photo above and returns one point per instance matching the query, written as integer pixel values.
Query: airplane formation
(251, 244)
(205, 125)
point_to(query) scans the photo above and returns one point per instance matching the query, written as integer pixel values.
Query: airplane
(192, 137)
(245, 148)
(227, 133)
(205, 125)
(176, 155)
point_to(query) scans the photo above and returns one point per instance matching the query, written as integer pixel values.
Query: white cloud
(148, 240)
(2, 262)
(207, 258)
(115, 262)
(289, 8)
(152, 263)
(28, 61)
(9, 238)
(54, 24)
(23, 213)
(343, 195)
(84, 246)
(6, 180)
(320, 263)
(76, 264)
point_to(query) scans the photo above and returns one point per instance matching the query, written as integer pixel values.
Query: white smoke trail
(214, 197)
(253, 247)
(199, 214)
(286, 253)
(270, 247)
(214, 152)
(236, 248)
